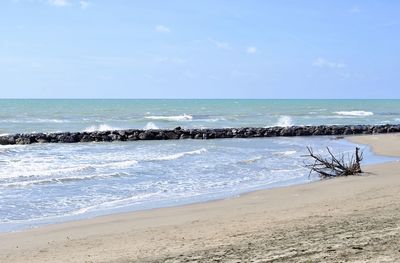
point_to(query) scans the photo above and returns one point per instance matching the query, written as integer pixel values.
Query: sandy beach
(352, 219)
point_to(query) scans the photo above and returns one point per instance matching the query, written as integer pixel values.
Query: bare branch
(335, 166)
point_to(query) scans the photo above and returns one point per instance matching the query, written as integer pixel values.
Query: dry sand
(353, 219)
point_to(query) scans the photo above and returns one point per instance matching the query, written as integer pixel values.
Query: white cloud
(162, 29)
(251, 50)
(355, 9)
(219, 44)
(84, 4)
(60, 3)
(323, 63)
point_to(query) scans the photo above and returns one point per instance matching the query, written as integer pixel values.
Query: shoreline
(26, 225)
(220, 222)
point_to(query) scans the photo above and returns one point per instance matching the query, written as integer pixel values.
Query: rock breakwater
(179, 133)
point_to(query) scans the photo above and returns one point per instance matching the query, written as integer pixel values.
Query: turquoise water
(17, 116)
(47, 183)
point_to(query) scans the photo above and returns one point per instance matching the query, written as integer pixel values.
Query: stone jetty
(179, 133)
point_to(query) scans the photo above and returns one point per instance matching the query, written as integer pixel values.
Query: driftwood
(331, 166)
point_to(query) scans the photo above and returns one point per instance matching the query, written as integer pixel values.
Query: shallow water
(47, 183)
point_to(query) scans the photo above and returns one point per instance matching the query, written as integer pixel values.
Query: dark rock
(86, 138)
(113, 137)
(147, 135)
(132, 137)
(348, 131)
(303, 132)
(7, 140)
(319, 131)
(185, 136)
(22, 140)
(171, 135)
(179, 133)
(287, 131)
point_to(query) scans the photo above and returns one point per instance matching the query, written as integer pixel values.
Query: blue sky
(199, 49)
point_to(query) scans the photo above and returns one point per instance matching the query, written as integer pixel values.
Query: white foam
(5, 148)
(284, 121)
(183, 117)
(252, 160)
(43, 170)
(51, 121)
(93, 179)
(3, 134)
(101, 127)
(285, 153)
(179, 155)
(355, 113)
(118, 164)
(60, 180)
(150, 126)
(214, 119)
(116, 203)
(22, 169)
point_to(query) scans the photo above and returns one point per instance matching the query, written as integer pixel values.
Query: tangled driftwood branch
(335, 166)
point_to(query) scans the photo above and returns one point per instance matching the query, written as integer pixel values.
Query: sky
(199, 49)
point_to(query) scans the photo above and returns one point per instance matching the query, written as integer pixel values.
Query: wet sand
(352, 219)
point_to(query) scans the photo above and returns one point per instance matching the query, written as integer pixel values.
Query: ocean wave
(118, 164)
(214, 119)
(61, 180)
(150, 126)
(22, 171)
(178, 155)
(252, 160)
(34, 121)
(286, 171)
(11, 147)
(354, 113)
(101, 127)
(285, 153)
(49, 171)
(8, 149)
(284, 121)
(116, 203)
(183, 117)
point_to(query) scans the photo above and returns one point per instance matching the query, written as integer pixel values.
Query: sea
(50, 183)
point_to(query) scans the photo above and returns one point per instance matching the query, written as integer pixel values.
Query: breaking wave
(179, 155)
(284, 121)
(183, 117)
(101, 127)
(250, 161)
(285, 153)
(354, 113)
(61, 180)
(150, 126)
